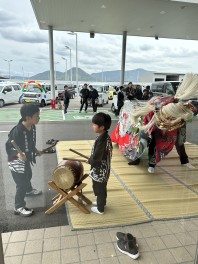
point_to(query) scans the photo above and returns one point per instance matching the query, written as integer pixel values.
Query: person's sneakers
(33, 192)
(129, 248)
(23, 211)
(95, 210)
(126, 237)
(134, 162)
(151, 169)
(188, 165)
(95, 203)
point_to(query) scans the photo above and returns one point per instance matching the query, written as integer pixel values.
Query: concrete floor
(162, 242)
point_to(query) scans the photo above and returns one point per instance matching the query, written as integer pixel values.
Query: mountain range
(137, 75)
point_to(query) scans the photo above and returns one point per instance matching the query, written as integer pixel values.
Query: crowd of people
(132, 92)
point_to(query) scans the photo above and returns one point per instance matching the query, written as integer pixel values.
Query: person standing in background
(120, 102)
(67, 97)
(84, 93)
(93, 96)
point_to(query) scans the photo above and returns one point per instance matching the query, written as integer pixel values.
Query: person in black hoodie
(24, 135)
(120, 101)
(84, 93)
(93, 94)
(100, 160)
(67, 97)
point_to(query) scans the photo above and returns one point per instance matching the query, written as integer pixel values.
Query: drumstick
(78, 153)
(17, 147)
(74, 159)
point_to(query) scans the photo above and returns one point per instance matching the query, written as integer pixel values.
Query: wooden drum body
(68, 174)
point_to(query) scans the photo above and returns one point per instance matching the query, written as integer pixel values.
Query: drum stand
(67, 195)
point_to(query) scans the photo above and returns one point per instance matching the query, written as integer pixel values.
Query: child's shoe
(188, 165)
(126, 237)
(128, 248)
(95, 210)
(151, 169)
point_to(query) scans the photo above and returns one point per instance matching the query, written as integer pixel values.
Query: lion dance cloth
(163, 118)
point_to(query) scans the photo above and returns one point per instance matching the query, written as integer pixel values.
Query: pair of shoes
(52, 141)
(151, 169)
(129, 248)
(95, 210)
(126, 237)
(33, 192)
(188, 165)
(95, 203)
(23, 211)
(79, 111)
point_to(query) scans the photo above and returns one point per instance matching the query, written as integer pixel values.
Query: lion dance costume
(160, 122)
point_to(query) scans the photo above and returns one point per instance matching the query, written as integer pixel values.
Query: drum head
(63, 177)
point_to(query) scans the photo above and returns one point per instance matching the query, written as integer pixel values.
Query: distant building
(164, 76)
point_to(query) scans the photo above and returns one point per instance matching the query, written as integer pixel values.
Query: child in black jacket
(100, 160)
(24, 135)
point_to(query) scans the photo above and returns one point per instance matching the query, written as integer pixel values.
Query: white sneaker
(151, 169)
(188, 165)
(23, 211)
(95, 210)
(95, 203)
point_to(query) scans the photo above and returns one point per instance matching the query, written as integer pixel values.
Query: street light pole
(9, 62)
(70, 61)
(55, 68)
(65, 68)
(73, 33)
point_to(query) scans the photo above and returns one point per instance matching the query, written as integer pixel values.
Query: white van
(103, 91)
(38, 93)
(9, 93)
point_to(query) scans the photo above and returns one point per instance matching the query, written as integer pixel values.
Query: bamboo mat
(134, 195)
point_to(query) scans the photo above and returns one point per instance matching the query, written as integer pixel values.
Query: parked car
(164, 88)
(9, 93)
(38, 93)
(103, 94)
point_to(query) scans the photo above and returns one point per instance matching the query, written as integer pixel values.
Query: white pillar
(51, 56)
(123, 57)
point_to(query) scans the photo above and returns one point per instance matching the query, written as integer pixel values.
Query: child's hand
(21, 156)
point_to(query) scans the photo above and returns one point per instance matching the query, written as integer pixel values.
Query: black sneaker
(23, 211)
(126, 237)
(128, 248)
(134, 162)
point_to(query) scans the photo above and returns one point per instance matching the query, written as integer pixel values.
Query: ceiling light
(103, 6)
(186, 1)
(138, 29)
(163, 12)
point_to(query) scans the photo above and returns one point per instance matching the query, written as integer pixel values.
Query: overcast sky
(22, 41)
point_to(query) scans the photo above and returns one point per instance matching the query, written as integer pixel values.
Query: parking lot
(11, 112)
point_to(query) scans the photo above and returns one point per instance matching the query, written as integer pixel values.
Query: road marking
(63, 115)
(4, 131)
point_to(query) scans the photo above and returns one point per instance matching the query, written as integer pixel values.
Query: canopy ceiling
(146, 18)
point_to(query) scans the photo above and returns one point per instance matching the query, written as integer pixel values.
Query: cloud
(27, 36)
(7, 19)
